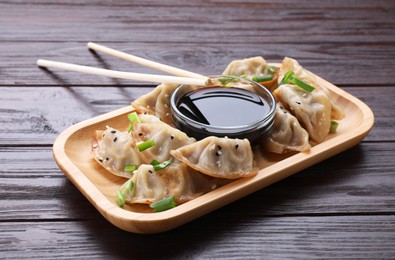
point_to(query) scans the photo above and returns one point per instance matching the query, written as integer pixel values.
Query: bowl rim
(266, 121)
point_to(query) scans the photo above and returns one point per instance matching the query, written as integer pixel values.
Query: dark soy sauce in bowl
(217, 110)
(219, 106)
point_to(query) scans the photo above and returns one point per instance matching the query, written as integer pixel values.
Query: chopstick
(145, 62)
(121, 74)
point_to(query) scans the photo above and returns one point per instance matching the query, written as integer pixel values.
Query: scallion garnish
(333, 127)
(262, 78)
(159, 166)
(120, 199)
(163, 204)
(130, 167)
(133, 117)
(145, 145)
(290, 77)
(129, 185)
(225, 80)
(287, 76)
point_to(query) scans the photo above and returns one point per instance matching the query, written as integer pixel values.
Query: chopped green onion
(302, 84)
(244, 76)
(163, 204)
(159, 166)
(120, 199)
(272, 69)
(290, 77)
(287, 77)
(130, 167)
(145, 145)
(333, 127)
(129, 185)
(225, 80)
(262, 78)
(133, 117)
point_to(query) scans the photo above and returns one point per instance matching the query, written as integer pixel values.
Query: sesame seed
(150, 171)
(237, 146)
(219, 147)
(113, 131)
(172, 137)
(115, 139)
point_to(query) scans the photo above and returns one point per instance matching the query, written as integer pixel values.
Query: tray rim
(162, 221)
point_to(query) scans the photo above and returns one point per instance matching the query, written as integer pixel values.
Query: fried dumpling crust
(286, 134)
(176, 180)
(166, 138)
(312, 109)
(219, 157)
(114, 149)
(289, 64)
(157, 102)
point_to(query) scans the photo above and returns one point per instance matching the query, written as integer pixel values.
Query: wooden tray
(72, 153)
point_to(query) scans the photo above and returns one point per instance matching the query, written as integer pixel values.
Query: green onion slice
(159, 166)
(333, 127)
(133, 117)
(225, 80)
(163, 204)
(262, 78)
(290, 77)
(302, 84)
(145, 145)
(287, 77)
(120, 199)
(130, 167)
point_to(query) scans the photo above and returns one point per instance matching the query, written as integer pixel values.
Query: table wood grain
(343, 207)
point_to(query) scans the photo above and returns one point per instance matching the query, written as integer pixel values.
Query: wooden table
(341, 207)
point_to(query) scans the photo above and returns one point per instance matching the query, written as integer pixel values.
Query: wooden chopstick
(121, 74)
(145, 62)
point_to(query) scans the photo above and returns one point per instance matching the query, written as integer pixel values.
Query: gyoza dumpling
(312, 109)
(286, 134)
(147, 118)
(166, 138)
(176, 180)
(157, 102)
(114, 149)
(290, 64)
(251, 67)
(219, 157)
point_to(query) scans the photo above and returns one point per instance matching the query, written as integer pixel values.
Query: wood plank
(339, 63)
(27, 119)
(290, 21)
(255, 237)
(358, 181)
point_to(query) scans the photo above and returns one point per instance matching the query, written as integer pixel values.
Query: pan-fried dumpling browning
(290, 64)
(286, 134)
(157, 102)
(176, 180)
(166, 138)
(312, 109)
(114, 149)
(219, 157)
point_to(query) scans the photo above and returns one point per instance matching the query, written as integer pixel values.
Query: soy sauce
(222, 106)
